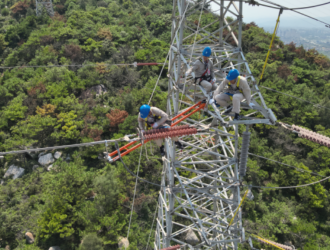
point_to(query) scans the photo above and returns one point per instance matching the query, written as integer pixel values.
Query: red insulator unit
(169, 132)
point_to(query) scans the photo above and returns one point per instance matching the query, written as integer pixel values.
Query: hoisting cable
(175, 33)
(314, 104)
(271, 44)
(137, 174)
(128, 170)
(240, 204)
(192, 51)
(152, 225)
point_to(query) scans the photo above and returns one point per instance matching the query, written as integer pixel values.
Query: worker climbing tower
(199, 201)
(47, 4)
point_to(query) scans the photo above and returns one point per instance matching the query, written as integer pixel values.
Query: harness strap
(147, 125)
(200, 59)
(231, 95)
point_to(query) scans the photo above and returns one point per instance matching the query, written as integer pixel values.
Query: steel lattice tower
(203, 182)
(47, 4)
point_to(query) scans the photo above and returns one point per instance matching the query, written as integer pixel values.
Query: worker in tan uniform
(153, 118)
(203, 72)
(233, 88)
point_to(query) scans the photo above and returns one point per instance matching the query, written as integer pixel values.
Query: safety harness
(148, 124)
(204, 76)
(237, 86)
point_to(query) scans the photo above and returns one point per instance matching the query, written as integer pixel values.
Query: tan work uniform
(238, 93)
(155, 115)
(199, 68)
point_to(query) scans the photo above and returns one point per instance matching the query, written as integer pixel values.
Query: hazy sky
(264, 16)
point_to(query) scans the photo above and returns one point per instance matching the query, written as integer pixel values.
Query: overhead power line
(298, 169)
(309, 7)
(294, 10)
(299, 186)
(87, 144)
(314, 104)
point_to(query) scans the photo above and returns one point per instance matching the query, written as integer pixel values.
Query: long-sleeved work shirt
(199, 67)
(155, 112)
(232, 88)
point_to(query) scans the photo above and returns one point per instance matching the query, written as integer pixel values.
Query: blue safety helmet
(207, 52)
(233, 74)
(144, 111)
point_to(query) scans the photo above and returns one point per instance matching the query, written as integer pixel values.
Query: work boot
(237, 117)
(228, 110)
(179, 145)
(162, 151)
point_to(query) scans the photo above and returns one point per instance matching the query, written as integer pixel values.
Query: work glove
(211, 101)
(155, 125)
(213, 80)
(251, 105)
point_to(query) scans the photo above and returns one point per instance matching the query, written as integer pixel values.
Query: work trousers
(223, 100)
(159, 142)
(208, 86)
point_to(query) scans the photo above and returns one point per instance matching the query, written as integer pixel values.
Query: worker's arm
(141, 122)
(161, 113)
(193, 69)
(212, 70)
(220, 88)
(244, 86)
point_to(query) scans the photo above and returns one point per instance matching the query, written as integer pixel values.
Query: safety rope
(137, 175)
(197, 31)
(240, 204)
(152, 227)
(173, 39)
(271, 44)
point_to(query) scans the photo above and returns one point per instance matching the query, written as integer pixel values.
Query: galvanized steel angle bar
(203, 151)
(202, 175)
(195, 214)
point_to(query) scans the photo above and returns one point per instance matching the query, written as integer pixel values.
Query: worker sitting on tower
(233, 88)
(152, 118)
(203, 72)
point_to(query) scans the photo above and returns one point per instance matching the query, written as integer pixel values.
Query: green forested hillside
(50, 106)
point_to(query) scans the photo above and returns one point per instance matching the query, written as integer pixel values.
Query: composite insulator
(272, 243)
(312, 136)
(244, 153)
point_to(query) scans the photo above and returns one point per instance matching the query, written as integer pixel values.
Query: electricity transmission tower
(201, 189)
(47, 4)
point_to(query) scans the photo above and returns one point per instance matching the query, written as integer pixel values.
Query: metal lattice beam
(202, 182)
